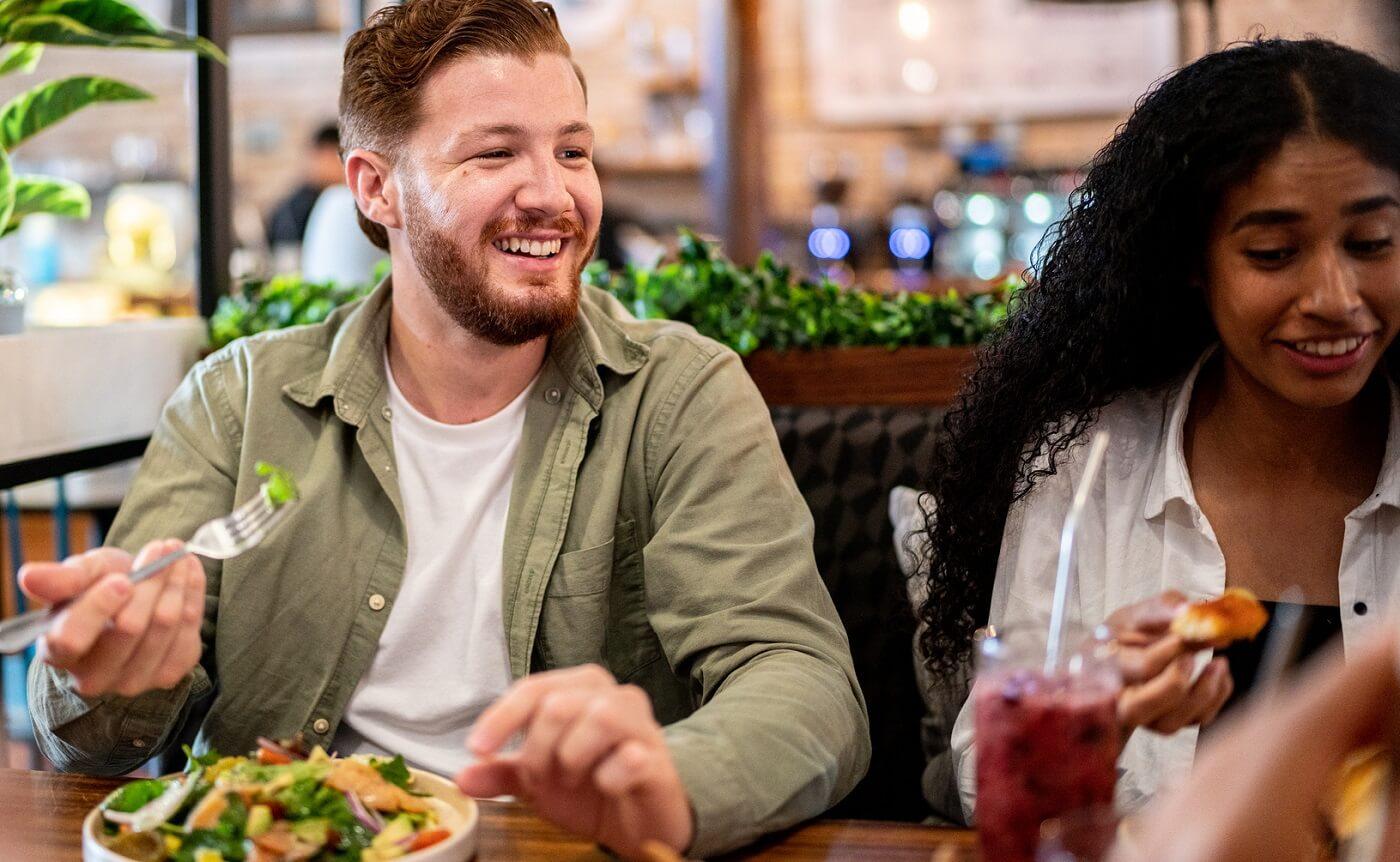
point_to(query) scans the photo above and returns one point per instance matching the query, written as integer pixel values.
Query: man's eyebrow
(500, 129)
(579, 127)
(1367, 205)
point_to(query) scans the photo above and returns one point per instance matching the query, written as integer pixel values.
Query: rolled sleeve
(185, 479)
(733, 593)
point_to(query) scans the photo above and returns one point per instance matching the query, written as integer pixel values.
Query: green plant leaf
(11, 9)
(46, 104)
(37, 194)
(21, 58)
(7, 188)
(54, 29)
(109, 16)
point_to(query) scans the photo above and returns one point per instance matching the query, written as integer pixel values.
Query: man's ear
(370, 180)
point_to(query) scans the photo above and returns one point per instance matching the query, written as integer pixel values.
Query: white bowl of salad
(279, 805)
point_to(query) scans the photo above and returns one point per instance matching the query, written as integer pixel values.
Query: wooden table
(43, 814)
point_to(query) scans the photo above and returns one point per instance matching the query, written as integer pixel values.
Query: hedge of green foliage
(745, 308)
(281, 301)
(766, 307)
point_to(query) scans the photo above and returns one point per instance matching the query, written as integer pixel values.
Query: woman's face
(1303, 274)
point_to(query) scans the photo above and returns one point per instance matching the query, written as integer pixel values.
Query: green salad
(276, 805)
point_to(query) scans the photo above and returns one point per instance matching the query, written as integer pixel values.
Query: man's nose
(544, 190)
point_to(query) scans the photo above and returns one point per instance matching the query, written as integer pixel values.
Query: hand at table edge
(593, 760)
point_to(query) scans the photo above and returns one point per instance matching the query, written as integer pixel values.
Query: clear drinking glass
(1047, 742)
(1085, 835)
(13, 298)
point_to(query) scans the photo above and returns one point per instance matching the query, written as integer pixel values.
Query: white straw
(1067, 536)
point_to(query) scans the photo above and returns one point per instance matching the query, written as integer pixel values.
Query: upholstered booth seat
(846, 461)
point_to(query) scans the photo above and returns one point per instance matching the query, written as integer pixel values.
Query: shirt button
(320, 725)
(376, 602)
(552, 395)
(387, 413)
(1360, 608)
(138, 742)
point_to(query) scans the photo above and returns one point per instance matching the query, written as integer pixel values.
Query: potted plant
(26, 26)
(804, 342)
(816, 342)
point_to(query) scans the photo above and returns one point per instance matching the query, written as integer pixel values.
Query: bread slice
(1236, 615)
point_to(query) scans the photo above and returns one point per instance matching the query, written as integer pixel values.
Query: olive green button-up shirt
(654, 528)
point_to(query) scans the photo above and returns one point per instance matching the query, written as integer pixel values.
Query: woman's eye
(1269, 255)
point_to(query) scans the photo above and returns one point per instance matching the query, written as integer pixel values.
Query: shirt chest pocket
(580, 573)
(594, 606)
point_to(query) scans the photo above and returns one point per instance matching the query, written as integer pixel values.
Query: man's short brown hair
(401, 45)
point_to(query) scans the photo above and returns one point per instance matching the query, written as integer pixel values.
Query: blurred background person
(286, 224)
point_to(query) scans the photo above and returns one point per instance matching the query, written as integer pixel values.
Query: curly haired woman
(1222, 297)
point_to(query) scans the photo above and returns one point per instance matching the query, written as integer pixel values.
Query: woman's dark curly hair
(1116, 303)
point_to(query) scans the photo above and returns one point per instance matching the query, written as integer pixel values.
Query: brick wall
(283, 86)
(794, 136)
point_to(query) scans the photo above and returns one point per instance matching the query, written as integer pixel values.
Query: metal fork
(218, 539)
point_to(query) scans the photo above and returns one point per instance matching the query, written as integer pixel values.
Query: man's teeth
(1328, 348)
(531, 247)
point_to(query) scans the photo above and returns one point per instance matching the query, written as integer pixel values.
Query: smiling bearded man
(526, 515)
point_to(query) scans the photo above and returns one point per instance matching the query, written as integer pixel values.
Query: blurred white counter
(67, 389)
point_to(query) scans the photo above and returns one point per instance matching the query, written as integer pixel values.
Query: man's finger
(56, 582)
(148, 656)
(625, 714)
(186, 647)
(557, 712)
(512, 712)
(497, 776)
(105, 668)
(629, 768)
(78, 626)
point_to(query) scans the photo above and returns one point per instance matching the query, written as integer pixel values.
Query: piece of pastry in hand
(1237, 615)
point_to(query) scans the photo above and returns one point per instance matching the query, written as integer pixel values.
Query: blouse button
(1360, 608)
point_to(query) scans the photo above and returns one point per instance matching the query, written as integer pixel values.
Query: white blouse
(1143, 533)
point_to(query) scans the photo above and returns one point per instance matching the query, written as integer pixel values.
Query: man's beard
(460, 281)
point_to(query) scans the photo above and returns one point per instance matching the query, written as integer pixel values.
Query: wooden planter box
(906, 377)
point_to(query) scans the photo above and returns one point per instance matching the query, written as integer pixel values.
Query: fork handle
(17, 633)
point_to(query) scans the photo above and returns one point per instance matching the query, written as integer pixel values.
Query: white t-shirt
(442, 657)
(1143, 533)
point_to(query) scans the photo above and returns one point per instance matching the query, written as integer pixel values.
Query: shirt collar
(596, 341)
(353, 375)
(1171, 480)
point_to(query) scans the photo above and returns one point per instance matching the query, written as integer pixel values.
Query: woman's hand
(1157, 666)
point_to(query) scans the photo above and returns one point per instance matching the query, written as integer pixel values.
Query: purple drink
(1046, 746)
